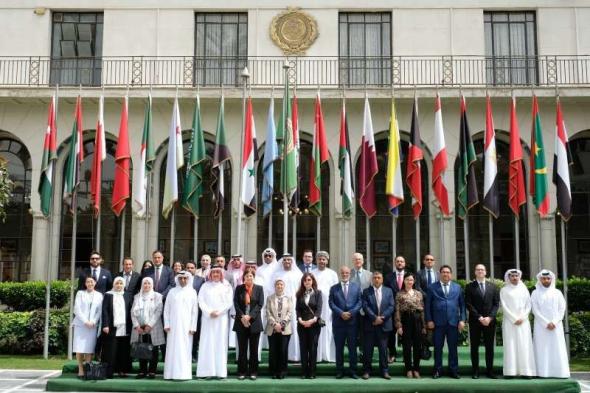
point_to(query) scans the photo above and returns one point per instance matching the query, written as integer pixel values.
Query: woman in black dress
(309, 310)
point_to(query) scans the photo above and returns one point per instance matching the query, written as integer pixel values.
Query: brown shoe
(365, 376)
(409, 374)
(416, 374)
(386, 376)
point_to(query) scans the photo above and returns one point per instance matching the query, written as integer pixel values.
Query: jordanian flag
(48, 161)
(345, 166)
(413, 170)
(271, 154)
(100, 154)
(490, 165)
(174, 161)
(538, 178)
(75, 158)
(394, 188)
(197, 158)
(287, 148)
(466, 186)
(220, 156)
(516, 191)
(319, 155)
(249, 158)
(122, 163)
(148, 156)
(440, 163)
(368, 166)
(561, 163)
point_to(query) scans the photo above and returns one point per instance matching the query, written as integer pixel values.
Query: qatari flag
(562, 159)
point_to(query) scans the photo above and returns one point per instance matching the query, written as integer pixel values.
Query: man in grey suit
(359, 275)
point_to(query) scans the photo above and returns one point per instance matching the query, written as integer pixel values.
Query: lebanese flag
(100, 154)
(562, 159)
(319, 155)
(490, 165)
(249, 158)
(122, 164)
(415, 155)
(368, 165)
(516, 190)
(48, 161)
(439, 163)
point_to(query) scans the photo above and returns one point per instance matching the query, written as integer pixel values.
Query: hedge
(30, 295)
(23, 332)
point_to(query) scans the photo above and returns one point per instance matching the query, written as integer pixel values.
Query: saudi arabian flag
(197, 158)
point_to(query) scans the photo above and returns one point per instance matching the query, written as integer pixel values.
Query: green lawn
(580, 364)
(32, 362)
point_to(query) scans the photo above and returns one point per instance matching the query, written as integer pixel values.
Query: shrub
(22, 332)
(580, 334)
(30, 295)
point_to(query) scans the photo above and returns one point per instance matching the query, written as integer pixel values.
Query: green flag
(466, 186)
(288, 184)
(538, 178)
(193, 183)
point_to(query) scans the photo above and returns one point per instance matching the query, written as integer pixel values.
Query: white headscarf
(545, 272)
(146, 305)
(184, 273)
(520, 287)
(118, 303)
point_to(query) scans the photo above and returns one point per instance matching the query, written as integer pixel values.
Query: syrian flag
(48, 161)
(249, 158)
(538, 186)
(100, 154)
(122, 163)
(345, 166)
(466, 185)
(413, 170)
(271, 154)
(75, 158)
(368, 165)
(440, 163)
(220, 156)
(394, 188)
(174, 161)
(147, 156)
(561, 162)
(516, 191)
(319, 155)
(490, 165)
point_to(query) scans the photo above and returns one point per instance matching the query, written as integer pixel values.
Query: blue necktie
(429, 274)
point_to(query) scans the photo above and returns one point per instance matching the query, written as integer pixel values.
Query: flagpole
(517, 241)
(540, 264)
(368, 237)
(318, 236)
(294, 240)
(285, 196)
(491, 235)
(147, 216)
(195, 238)
(442, 240)
(245, 75)
(122, 242)
(72, 270)
(394, 235)
(219, 234)
(172, 235)
(417, 225)
(466, 247)
(564, 278)
(97, 239)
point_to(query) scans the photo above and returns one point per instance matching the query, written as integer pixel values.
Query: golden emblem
(293, 31)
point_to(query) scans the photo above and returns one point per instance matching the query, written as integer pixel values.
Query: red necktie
(400, 281)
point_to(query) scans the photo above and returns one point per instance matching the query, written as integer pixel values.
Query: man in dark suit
(132, 278)
(103, 278)
(161, 274)
(307, 266)
(395, 281)
(427, 275)
(445, 313)
(345, 302)
(482, 299)
(378, 305)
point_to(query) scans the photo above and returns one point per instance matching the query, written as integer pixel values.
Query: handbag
(320, 321)
(142, 350)
(94, 371)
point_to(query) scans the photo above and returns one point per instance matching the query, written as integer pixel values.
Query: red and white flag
(100, 154)
(249, 158)
(440, 163)
(122, 164)
(562, 160)
(368, 165)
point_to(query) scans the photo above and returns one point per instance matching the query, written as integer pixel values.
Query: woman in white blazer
(87, 310)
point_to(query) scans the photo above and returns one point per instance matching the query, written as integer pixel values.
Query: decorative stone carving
(294, 31)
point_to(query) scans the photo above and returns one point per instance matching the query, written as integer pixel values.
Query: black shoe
(436, 375)
(140, 376)
(274, 377)
(151, 376)
(354, 376)
(475, 375)
(455, 376)
(339, 376)
(491, 375)
(386, 376)
(253, 377)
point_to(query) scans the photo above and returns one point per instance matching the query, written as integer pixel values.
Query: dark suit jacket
(256, 304)
(422, 282)
(166, 279)
(104, 283)
(197, 283)
(390, 281)
(338, 304)
(107, 313)
(445, 310)
(310, 310)
(479, 305)
(134, 283)
(313, 267)
(371, 311)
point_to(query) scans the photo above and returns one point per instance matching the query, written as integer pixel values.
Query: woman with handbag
(87, 310)
(116, 329)
(409, 322)
(309, 323)
(279, 308)
(148, 333)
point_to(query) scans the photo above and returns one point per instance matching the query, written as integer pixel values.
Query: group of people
(308, 313)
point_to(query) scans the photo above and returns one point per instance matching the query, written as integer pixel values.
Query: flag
(562, 159)
(440, 163)
(490, 165)
(100, 154)
(288, 153)
(466, 186)
(174, 161)
(75, 157)
(516, 191)
(197, 157)
(319, 155)
(249, 158)
(295, 199)
(538, 176)
(368, 165)
(345, 166)
(220, 156)
(413, 170)
(48, 160)
(394, 182)
(122, 163)
(147, 155)
(271, 154)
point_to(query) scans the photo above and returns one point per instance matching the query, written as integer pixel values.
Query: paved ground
(29, 381)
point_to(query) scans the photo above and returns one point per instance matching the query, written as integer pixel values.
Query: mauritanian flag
(440, 163)
(289, 181)
(220, 156)
(197, 157)
(147, 156)
(466, 186)
(538, 187)
(394, 188)
(345, 166)
(100, 154)
(414, 158)
(368, 166)
(249, 159)
(319, 155)
(75, 158)
(490, 165)
(271, 154)
(174, 161)
(48, 161)
(295, 199)
(516, 191)
(122, 163)
(561, 163)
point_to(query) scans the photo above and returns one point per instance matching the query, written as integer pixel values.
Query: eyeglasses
(429, 259)
(94, 258)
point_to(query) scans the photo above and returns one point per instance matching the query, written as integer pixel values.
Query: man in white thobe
(515, 301)
(325, 278)
(266, 272)
(291, 276)
(215, 300)
(181, 314)
(549, 341)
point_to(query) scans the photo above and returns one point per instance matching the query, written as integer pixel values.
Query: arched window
(382, 251)
(184, 248)
(307, 235)
(110, 226)
(16, 231)
(503, 227)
